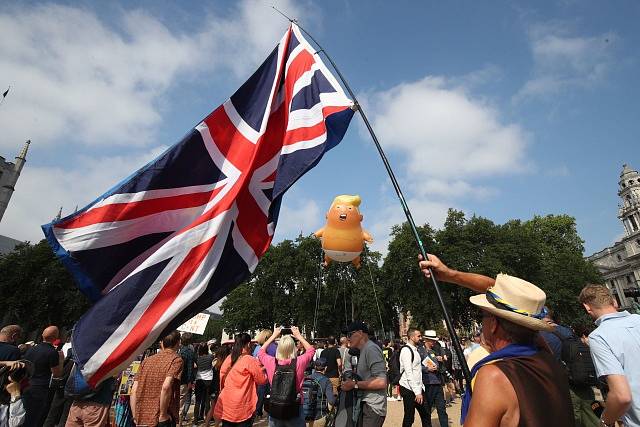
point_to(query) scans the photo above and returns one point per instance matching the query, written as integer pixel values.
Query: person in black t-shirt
(334, 363)
(9, 336)
(47, 361)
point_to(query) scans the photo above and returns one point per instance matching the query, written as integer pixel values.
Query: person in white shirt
(411, 386)
(319, 347)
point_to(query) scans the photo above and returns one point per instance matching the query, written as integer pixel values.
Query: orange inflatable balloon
(342, 236)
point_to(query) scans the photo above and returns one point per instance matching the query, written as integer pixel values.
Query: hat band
(497, 301)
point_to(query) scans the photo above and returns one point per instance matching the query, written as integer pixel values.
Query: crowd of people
(544, 374)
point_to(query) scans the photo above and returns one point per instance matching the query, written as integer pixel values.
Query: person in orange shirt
(239, 375)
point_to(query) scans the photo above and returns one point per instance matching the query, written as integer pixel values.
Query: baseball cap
(356, 326)
(320, 363)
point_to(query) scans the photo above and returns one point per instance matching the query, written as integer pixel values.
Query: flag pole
(447, 318)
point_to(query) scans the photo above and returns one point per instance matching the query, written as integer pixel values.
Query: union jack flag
(184, 230)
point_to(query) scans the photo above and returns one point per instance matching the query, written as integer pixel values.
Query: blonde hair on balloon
(348, 200)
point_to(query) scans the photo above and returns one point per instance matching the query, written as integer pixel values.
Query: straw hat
(515, 300)
(430, 334)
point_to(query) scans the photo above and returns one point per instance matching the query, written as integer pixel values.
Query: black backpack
(577, 358)
(282, 402)
(185, 378)
(394, 373)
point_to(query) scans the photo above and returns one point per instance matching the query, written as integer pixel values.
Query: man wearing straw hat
(432, 377)
(519, 383)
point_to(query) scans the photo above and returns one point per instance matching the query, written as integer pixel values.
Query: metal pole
(403, 202)
(375, 294)
(315, 314)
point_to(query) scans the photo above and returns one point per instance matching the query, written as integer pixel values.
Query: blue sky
(502, 110)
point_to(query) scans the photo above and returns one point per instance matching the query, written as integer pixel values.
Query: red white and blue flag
(184, 230)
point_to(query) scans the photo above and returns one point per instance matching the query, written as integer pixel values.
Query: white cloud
(41, 191)
(82, 85)
(298, 215)
(75, 77)
(423, 211)
(454, 189)
(256, 30)
(445, 133)
(490, 73)
(449, 140)
(563, 60)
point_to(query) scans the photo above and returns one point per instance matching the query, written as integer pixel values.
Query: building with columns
(620, 263)
(9, 174)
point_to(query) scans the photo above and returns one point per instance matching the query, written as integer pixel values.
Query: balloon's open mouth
(343, 217)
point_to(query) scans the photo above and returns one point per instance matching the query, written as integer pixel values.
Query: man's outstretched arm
(473, 281)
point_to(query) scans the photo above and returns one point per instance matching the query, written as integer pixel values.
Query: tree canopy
(290, 279)
(37, 290)
(545, 250)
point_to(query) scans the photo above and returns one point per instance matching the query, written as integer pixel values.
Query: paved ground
(395, 413)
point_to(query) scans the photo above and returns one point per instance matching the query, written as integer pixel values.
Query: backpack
(394, 373)
(188, 372)
(282, 402)
(577, 358)
(313, 398)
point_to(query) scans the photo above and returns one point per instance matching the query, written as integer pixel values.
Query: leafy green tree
(563, 271)
(290, 280)
(545, 250)
(213, 329)
(37, 290)
(405, 286)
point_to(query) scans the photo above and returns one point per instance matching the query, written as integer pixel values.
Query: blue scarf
(512, 350)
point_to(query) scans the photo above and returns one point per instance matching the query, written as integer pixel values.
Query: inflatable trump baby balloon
(342, 236)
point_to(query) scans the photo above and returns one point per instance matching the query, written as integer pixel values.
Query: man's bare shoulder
(491, 376)
(491, 379)
(486, 410)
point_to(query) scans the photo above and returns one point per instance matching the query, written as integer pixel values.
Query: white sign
(196, 325)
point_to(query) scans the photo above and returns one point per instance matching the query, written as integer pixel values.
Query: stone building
(9, 174)
(620, 263)
(7, 244)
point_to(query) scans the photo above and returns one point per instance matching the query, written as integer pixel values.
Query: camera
(285, 330)
(349, 375)
(17, 376)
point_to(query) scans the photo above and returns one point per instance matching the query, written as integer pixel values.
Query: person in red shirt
(240, 373)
